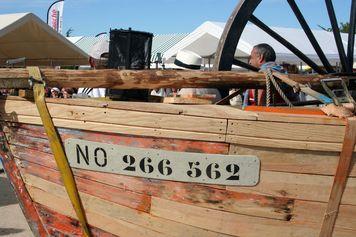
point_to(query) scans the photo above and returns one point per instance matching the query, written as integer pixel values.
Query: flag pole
(51, 7)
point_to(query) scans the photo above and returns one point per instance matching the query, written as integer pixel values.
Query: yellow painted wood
(57, 149)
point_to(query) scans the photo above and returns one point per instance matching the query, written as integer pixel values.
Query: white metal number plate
(160, 164)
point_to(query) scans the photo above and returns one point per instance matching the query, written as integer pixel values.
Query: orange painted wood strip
(285, 110)
(61, 225)
(125, 140)
(140, 202)
(13, 174)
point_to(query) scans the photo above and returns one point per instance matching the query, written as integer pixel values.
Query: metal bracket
(337, 100)
(32, 81)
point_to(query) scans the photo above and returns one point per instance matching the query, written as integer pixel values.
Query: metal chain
(270, 76)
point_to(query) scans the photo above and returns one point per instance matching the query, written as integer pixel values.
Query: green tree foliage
(344, 27)
(69, 32)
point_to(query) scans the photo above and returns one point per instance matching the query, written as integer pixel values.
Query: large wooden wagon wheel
(243, 13)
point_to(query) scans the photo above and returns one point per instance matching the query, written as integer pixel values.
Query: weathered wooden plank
(299, 186)
(120, 129)
(120, 117)
(14, 176)
(233, 224)
(187, 100)
(62, 206)
(213, 111)
(143, 79)
(126, 105)
(60, 225)
(293, 160)
(287, 131)
(299, 118)
(204, 196)
(134, 200)
(23, 134)
(340, 179)
(312, 213)
(210, 111)
(283, 143)
(104, 214)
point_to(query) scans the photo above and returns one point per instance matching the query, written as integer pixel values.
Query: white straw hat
(186, 59)
(99, 48)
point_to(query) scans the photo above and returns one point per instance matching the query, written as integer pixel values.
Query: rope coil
(270, 78)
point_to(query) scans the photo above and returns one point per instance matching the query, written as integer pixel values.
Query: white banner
(55, 16)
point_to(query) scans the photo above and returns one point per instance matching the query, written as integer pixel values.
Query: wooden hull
(298, 153)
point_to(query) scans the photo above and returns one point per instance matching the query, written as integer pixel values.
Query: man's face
(255, 59)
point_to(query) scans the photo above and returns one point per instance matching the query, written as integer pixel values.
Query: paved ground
(12, 221)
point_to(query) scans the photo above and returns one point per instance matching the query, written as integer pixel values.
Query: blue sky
(89, 17)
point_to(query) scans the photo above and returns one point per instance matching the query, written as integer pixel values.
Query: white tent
(24, 35)
(204, 41)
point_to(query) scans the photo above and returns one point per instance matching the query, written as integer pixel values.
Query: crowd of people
(55, 92)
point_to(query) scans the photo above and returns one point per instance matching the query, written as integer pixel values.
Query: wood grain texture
(312, 214)
(120, 117)
(299, 186)
(23, 134)
(210, 111)
(293, 160)
(124, 197)
(119, 129)
(14, 176)
(299, 118)
(111, 217)
(283, 143)
(61, 225)
(340, 179)
(143, 79)
(200, 195)
(234, 224)
(287, 131)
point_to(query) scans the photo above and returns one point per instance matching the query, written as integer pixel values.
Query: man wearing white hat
(98, 59)
(189, 60)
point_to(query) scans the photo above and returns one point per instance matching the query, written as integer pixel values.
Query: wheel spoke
(351, 41)
(337, 36)
(232, 32)
(310, 36)
(244, 65)
(288, 45)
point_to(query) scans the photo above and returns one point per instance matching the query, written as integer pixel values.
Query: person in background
(67, 92)
(263, 57)
(189, 60)
(55, 92)
(98, 59)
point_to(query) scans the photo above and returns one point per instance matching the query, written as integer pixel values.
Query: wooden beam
(143, 79)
